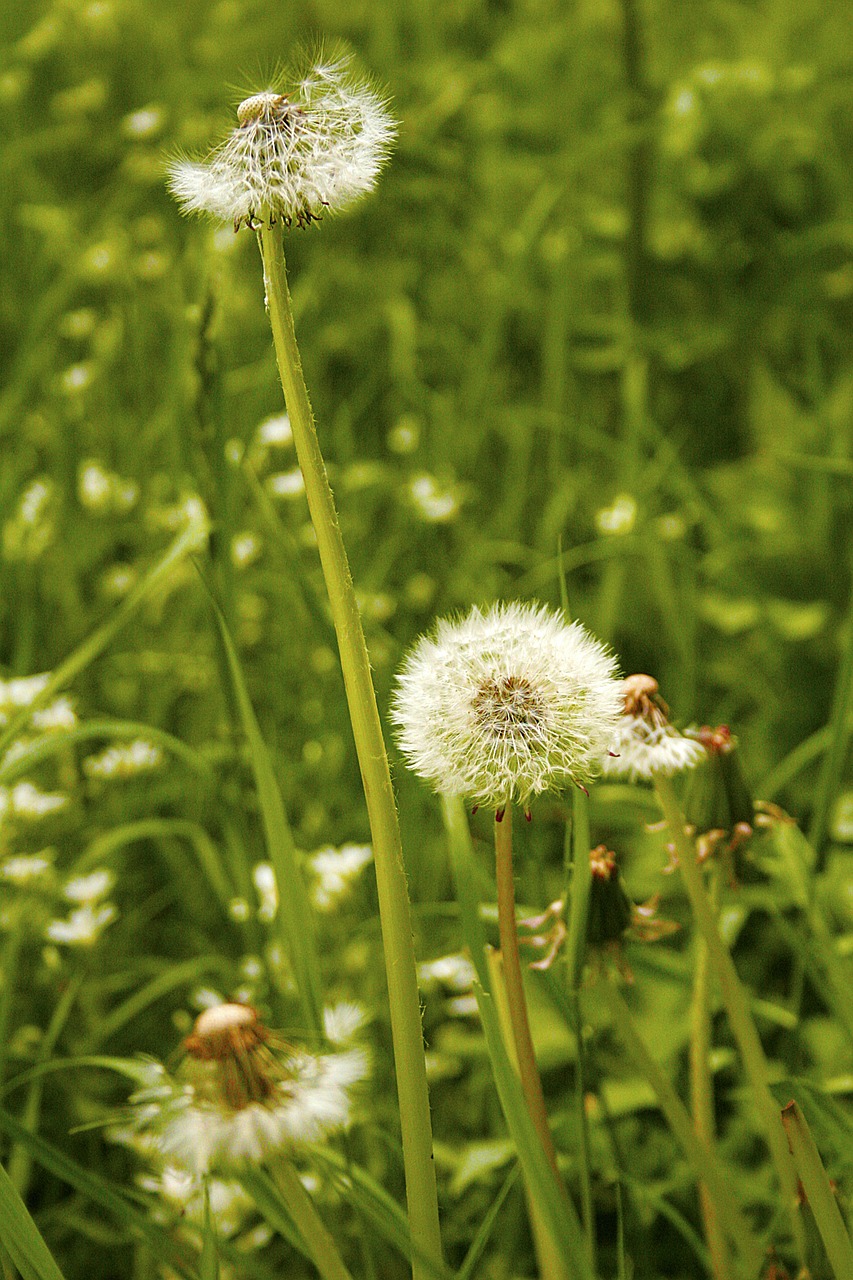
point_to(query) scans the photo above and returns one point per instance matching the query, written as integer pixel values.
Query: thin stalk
(699, 1156)
(737, 1008)
(832, 768)
(315, 1234)
(531, 1082)
(702, 1094)
(394, 909)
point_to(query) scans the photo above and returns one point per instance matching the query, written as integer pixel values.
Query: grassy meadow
(589, 343)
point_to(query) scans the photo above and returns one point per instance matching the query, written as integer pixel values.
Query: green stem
(315, 1234)
(702, 1096)
(819, 1192)
(394, 909)
(531, 1082)
(700, 1157)
(737, 1008)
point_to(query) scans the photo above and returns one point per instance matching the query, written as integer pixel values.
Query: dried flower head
(646, 744)
(292, 156)
(504, 705)
(242, 1094)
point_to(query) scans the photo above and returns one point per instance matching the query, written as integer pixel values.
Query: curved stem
(394, 909)
(737, 1008)
(508, 932)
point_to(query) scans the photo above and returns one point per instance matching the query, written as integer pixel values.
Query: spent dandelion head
(293, 156)
(503, 705)
(242, 1094)
(646, 745)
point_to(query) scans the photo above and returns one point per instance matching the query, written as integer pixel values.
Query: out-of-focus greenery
(601, 302)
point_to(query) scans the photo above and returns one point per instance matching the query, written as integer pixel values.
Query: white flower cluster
(504, 705)
(124, 760)
(292, 157)
(335, 871)
(24, 802)
(22, 691)
(90, 917)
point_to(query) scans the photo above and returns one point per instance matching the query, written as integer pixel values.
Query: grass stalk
(317, 1238)
(702, 1096)
(700, 1157)
(394, 908)
(737, 1009)
(818, 1189)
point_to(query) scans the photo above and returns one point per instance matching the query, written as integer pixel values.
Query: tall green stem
(517, 1005)
(737, 1008)
(702, 1094)
(394, 909)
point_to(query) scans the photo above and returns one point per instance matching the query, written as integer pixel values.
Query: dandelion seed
(504, 705)
(242, 1094)
(646, 745)
(292, 157)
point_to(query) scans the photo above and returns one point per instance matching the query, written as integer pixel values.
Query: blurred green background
(600, 302)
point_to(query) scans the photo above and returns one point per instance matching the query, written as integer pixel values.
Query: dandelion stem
(315, 1234)
(394, 908)
(702, 1096)
(737, 1008)
(508, 932)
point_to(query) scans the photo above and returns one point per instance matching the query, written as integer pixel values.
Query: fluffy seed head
(646, 745)
(504, 705)
(242, 1094)
(292, 156)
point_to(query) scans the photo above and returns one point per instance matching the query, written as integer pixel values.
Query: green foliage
(601, 301)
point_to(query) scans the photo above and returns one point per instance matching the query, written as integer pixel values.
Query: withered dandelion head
(646, 745)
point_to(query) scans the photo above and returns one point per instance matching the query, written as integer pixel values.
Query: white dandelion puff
(292, 156)
(242, 1094)
(504, 705)
(646, 745)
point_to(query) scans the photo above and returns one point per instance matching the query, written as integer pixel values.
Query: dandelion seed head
(242, 1094)
(504, 705)
(646, 745)
(292, 156)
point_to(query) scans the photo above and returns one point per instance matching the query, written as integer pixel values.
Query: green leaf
(21, 1237)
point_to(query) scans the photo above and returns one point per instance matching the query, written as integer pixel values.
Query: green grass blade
(832, 768)
(33, 753)
(21, 1237)
(295, 915)
(818, 1191)
(208, 1268)
(190, 540)
(462, 859)
(173, 977)
(481, 1239)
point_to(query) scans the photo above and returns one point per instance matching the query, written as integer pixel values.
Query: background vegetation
(601, 301)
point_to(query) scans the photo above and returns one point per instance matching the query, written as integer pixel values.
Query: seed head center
(262, 106)
(508, 707)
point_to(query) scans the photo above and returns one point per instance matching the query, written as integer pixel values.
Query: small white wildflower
(83, 927)
(263, 876)
(462, 1006)
(335, 870)
(275, 432)
(645, 743)
(124, 760)
(28, 803)
(91, 887)
(143, 124)
(77, 377)
(619, 518)
(56, 716)
(103, 492)
(292, 158)
(245, 549)
(21, 691)
(504, 705)
(433, 504)
(242, 1094)
(27, 868)
(286, 484)
(454, 971)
